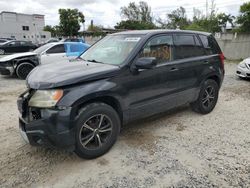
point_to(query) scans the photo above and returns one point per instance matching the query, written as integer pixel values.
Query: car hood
(18, 55)
(62, 74)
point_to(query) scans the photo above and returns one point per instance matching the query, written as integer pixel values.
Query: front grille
(35, 114)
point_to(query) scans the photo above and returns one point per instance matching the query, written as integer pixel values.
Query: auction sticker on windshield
(132, 39)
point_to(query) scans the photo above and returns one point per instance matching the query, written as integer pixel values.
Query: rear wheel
(98, 126)
(207, 98)
(24, 69)
(2, 52)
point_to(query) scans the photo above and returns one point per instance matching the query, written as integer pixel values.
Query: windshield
(113, 49)
(43, 48)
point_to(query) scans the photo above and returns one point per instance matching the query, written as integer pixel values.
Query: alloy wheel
(208, 97)
(95, 132)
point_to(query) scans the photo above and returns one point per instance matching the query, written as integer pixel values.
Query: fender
(80, 94)
(33, 60)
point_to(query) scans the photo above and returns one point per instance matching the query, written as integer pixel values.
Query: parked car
(73, 40)
(125, 76)
(52, 40)
(243, 69)
(15, 46)
(22, 63)
(3, 41)
(8, 39)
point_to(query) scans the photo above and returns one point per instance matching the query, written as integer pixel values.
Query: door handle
(174, 69)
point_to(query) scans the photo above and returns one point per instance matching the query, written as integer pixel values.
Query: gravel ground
(176, 149)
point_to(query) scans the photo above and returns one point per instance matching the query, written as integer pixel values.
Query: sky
(107, 12)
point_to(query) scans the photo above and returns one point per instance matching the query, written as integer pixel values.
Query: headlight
(45, 98)
(242, 65)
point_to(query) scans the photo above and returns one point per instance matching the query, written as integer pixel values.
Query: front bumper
(46, 127)
(6, 70)
(243, 72)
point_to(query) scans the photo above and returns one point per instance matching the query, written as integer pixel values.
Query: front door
(54, 54)
(152, 90)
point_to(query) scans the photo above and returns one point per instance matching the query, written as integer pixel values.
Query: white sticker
(132, 39)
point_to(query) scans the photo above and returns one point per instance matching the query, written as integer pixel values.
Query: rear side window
(56, 49)
(186, 46)
(210, 45)
(160, 47)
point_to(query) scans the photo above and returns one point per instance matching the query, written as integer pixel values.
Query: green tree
(96, 29)
(134, 25)
(140, 12)
(195, 27)
(137, 16)
(244, 18)
(223, 19)
(176, 19)
(210, 24)
(70, 20)
(54, 30)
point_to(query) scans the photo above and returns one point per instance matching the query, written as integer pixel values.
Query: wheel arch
(107, 99)
(18, 62)
(215, 78)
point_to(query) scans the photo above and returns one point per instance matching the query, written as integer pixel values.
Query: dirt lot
(179, 148)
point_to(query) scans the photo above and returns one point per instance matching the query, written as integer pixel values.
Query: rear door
(24, 46)
(54, 54)
(189, 60)
(213, 53)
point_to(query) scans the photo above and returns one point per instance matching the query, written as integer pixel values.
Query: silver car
(243, 69)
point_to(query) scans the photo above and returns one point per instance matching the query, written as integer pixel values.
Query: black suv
(80, 106)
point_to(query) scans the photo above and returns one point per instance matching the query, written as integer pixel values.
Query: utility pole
(206, 8)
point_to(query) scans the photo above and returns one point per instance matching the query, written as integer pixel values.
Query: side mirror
(145, 63)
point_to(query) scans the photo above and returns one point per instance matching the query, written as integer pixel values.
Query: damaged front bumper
(46, 127)
(243, 72)
(7, 70)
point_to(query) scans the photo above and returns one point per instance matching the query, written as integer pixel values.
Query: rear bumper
(48, 127)
(243, 72)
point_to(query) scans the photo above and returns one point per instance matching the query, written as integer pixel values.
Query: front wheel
(24, 69)
(97, 129)
(207, 98)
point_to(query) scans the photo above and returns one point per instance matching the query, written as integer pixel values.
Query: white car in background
(22, 63)
(243, 69)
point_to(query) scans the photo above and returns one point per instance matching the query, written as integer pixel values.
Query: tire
(208, 97)
(2, 52)
(23, 69)
(93, 138)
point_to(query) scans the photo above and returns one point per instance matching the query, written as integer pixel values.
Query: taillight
(222, 58)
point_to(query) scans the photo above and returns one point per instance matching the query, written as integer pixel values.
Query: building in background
(28, 27)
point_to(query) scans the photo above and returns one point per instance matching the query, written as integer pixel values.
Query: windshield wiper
(94, 61)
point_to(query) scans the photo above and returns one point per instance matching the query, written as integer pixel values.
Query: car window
(210, 45)
(23, 43)
(13, 43)
(56, 49)
(112, 49)
(186, 46)
(159, 47)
